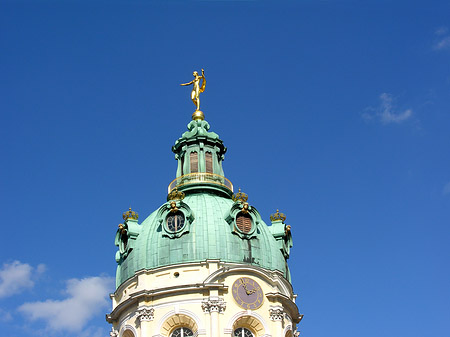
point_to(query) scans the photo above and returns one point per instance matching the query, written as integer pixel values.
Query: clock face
(247, 293)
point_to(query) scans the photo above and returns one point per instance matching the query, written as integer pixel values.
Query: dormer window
(194, 162)
(244, 222)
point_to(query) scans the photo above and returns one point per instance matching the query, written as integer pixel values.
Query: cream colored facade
(198, 296)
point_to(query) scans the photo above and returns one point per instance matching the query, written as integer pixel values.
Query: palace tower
(204, 263)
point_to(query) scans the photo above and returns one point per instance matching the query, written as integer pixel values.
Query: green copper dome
(201, 219)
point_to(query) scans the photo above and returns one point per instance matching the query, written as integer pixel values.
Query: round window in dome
(244, 222)
(175, 221)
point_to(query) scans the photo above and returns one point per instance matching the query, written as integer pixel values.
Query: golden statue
(197, 89)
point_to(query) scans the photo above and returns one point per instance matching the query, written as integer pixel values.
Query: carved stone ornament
(213, 305)
(276, 314)
(146, 314)
(113, 333)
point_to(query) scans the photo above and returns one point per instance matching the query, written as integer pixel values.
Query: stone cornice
(172, 291)
(290, 307)
(273, 277)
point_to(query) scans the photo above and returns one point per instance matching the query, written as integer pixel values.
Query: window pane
(242, 332)
(247, 333)
(177, 333)
(208, 162)
(187, 332)
(194, 162)
(244, 222)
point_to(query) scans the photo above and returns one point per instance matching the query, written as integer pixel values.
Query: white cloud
(385, 111)
(441, 31)
(86, 297)
(16, 277)
(444, 39)
(443, 43)
(446, 189)
(5, 316)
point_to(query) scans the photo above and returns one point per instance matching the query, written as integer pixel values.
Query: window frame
(242, 332)
(182, 333)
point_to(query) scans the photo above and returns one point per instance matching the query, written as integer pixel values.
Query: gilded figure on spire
(197, 89)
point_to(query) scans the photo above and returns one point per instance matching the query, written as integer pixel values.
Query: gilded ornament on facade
(241, 196)
(122, 228)
(173, 207)
(130, 215)
(245, 207)
(278, 216)
(175, 195)
(287, 230)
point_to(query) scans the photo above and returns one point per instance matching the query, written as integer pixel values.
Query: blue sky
(335, 112)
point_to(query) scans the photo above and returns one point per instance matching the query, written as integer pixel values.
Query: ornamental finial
(175, 195)
(278, 216)
(241, 196)
(130, 215)
(195, 93)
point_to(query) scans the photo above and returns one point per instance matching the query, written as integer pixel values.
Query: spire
(199, 152)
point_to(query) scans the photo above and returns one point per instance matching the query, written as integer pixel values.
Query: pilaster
(213, 306)
(145, 316)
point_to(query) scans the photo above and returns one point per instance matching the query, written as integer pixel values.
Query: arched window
(179, 325)
(242, 332)
(244, 222)
(194, 162)
(182, 165)
(128, 333)
(182, 332)
(208, 162)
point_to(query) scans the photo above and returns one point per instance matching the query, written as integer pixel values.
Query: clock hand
(244, 285)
